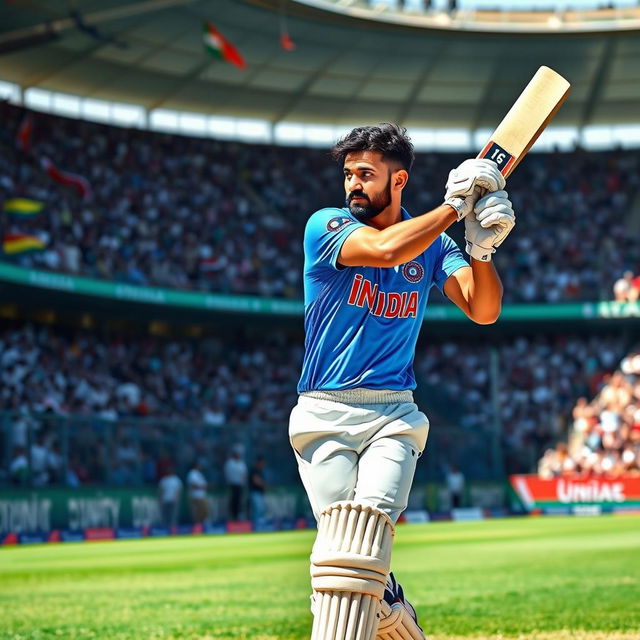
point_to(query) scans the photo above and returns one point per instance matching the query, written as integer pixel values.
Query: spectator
(169, 495)
(635, 289)
(627, 288)
(39, 458)
(455, 486)
(257, 486)
(164, 464)
(148, 466)
(19, 468)
(235, 473)
(622, 288)
(77, 472)
(126, 463)
(55, 465)
(198, 499)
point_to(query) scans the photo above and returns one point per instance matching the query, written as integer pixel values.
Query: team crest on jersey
(335, 224)
(413, 271)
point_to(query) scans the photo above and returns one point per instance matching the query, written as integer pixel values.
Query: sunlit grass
(534, 578)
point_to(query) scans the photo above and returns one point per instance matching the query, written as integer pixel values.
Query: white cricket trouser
(358, 444)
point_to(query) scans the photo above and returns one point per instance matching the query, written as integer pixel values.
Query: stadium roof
(344, 69)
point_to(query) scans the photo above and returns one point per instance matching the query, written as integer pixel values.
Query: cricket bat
(526, 120)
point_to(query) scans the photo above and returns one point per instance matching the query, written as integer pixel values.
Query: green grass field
(551, 578)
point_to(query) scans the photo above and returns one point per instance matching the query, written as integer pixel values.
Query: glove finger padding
(489, 180)
(471, 174)
(481, 242)
(500, 215)
(495, 209)
(491, 199)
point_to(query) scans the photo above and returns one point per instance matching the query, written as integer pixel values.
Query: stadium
(161, 162)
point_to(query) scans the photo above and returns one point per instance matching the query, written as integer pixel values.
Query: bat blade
(526, 120)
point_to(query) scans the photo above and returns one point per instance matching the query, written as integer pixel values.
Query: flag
(23, 136)
(78, 182)
(216, 44)
(22, 207)
(214, 263)
(286, 42)
(14, 243)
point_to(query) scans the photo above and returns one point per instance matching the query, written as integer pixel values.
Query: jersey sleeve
(449, 260)
(325, 234)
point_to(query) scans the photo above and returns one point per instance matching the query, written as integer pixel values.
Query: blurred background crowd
(605, 435)
(86, 409)
(525, 387)
(214, 380)
(200, 214)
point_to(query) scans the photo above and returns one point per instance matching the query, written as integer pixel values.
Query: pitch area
(528, 578)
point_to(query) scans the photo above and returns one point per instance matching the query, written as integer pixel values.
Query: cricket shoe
(398, 619)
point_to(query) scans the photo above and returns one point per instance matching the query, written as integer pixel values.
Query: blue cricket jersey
(362, 323)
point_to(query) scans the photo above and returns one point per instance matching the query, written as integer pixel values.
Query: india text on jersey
(387, 304)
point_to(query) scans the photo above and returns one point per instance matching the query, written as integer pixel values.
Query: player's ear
(399, 179)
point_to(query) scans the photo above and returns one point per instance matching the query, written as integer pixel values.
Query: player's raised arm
(373, 186)
(397, 244)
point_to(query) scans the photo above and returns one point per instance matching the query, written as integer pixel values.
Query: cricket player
(355, 430)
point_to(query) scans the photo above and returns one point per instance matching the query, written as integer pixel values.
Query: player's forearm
(405, 240)
(485, 293)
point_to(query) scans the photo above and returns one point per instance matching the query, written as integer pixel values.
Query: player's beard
(374, 206)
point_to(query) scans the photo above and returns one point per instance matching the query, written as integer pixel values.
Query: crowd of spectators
(130, 402)
(207, 215)
(77, 373)
(605, 434)
(525, 390)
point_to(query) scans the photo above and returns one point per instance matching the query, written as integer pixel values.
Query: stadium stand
(605, 434)
(107, 408)
(220, 216)
(538, 379)
(212, 380)
(103, 401)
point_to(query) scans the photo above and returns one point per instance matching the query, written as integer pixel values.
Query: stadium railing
(129, 451)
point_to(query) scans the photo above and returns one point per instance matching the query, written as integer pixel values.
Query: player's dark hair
(391, 140)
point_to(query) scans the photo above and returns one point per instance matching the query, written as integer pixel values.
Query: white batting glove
(469, 176)
(487, 229)
(464, 206)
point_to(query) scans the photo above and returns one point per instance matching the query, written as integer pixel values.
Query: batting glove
(470, 175)
(464, 205)
(487, 229)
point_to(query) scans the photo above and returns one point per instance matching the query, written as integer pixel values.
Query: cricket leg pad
(349, 567)
(397, 623)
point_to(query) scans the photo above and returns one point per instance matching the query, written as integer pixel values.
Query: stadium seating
(605, 432)
(129, 400)
(218, 216)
